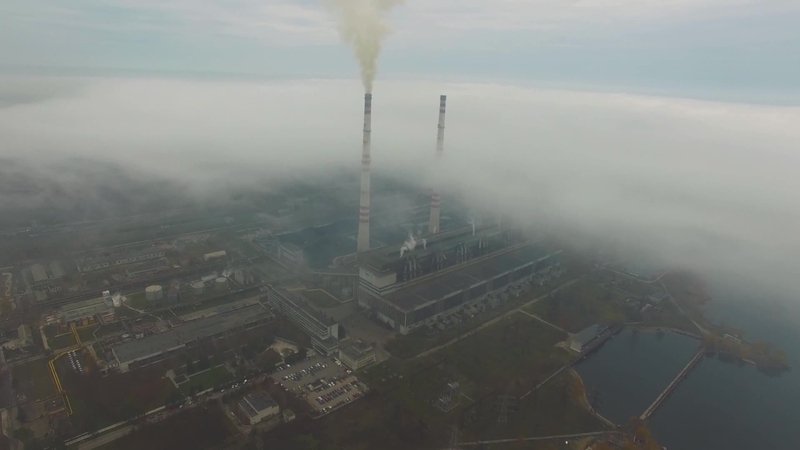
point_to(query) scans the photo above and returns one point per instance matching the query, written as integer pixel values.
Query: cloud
(707, 185)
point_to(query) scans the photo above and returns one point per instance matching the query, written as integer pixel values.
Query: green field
(585, 303)
(61, 341)
(411, 345)
(210, 378)
(34, 379)
(87, 334)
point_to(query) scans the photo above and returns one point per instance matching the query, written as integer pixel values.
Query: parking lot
(322, 382)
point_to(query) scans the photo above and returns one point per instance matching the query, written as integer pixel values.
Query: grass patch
(209, 379)
(87, 334)
(61, 341)
(583, 304)
(139, 301)
(195, 428)
(34, 379)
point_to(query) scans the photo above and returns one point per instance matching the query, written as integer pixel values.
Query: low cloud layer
(710, 186)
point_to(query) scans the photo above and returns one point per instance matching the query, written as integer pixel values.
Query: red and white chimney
(436, 200)
(363, 212)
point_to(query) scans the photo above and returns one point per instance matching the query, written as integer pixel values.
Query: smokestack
(436, 201)
(363, 212)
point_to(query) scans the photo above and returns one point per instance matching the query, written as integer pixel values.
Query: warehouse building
(358, 355)
(105, 262)
(324, 331)
(586, 337)
(413, 291)
(254, 408)
(25, 336)
(141, 352)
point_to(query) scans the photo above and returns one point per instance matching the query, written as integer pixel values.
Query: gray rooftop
(187, 333)
(357, 351)
(111, 259)
(39, 273)
(442, 285)
(56, 269)
(260, 401)
(589, 333)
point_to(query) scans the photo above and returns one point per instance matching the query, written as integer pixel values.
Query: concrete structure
(25, 336)
(363, 211)
(150, 349)
(105, 262)
(198, 288)
(215, 255)
(586, 337)
(147, 267)
(288, 415)
(153, 293)
(221, 284)
(254, 408)
(454, 270)
(324, 331)
(357, 355)
(436, 200)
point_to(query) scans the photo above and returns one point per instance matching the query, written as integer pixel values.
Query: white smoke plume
(361, 25)
(408, 245)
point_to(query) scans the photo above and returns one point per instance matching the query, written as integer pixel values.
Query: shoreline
(585, 400)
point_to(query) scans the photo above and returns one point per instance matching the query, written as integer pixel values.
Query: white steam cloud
(361, 25)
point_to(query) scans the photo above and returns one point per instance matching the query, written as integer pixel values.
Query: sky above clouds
(691, 46)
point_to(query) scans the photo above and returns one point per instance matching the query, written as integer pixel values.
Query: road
(539, 438)
(106, 438)
(496, 319)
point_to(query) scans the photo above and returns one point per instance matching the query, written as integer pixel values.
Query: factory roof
(124, 256)
(56, 269)
(74, 314)
(296, 298)
(147, 266)
(187, 333)
(39, 273)
(381, 257)
(459, 279)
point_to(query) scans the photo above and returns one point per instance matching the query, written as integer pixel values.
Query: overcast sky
(667, 123)
(740, 49)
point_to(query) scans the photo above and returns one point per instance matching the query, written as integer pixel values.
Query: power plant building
(324, 331)
(154, 348)
(450, 271)
(105, 262)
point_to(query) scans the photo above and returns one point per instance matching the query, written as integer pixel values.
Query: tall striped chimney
(363, 212)
(436, 200)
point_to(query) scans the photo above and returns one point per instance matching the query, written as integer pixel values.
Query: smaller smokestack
(436, 200)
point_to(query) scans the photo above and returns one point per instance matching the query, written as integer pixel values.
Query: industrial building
(150, 349)
(358, 355)
(24, 336)
(78, 311)
(147, 268)
(324, 331)
(40, 277)
(584, 339)
(412, 285)
(254, 408)
(104, 262)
